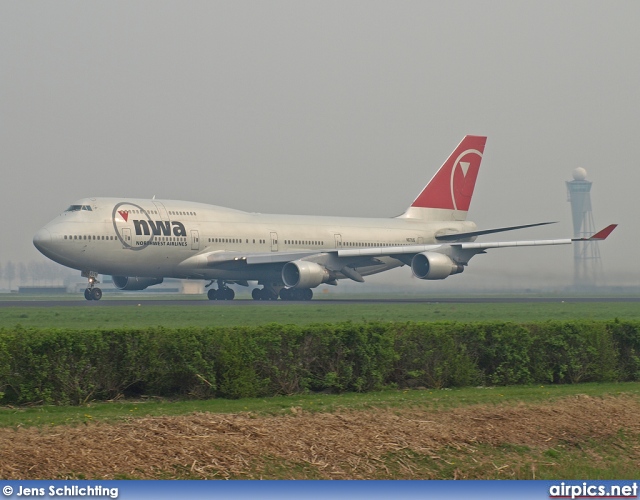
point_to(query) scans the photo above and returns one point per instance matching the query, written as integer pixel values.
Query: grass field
(426, 399)
(148, 313)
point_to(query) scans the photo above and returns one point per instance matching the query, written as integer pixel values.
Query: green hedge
(72, 367)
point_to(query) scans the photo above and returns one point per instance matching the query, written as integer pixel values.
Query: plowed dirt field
(469, 442)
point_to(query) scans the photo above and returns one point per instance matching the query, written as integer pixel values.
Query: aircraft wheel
(256, 294)
(87, 294)
(307, 294)
(299, 293)
(96, 294)
(228, 294)
(285, 294)
(211, 294)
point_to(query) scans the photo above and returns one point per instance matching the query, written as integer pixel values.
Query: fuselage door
(338, 241)
(126, 236)
(274, 242)
(195, 239)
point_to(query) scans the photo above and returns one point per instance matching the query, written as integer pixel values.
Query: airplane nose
(41, 239)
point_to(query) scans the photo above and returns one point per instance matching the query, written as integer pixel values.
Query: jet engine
(134, 283)
(303, 274)
(434, 266)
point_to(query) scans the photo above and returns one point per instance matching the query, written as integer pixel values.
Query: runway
(134, 301)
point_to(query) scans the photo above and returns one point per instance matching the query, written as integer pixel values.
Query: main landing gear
(222, 293)
(92, 292)
(269, 293)
(296, 294)
(264, 294)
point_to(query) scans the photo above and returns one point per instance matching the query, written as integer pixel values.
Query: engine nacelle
(134, 283)
(434, 266)
(303, 274)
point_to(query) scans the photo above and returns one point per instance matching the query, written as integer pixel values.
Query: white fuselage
(154, 238)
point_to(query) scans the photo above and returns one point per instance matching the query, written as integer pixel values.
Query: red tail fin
(452, 186)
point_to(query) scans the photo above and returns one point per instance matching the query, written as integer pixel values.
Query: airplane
(139, 242)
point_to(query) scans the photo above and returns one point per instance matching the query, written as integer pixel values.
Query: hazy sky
(332, 107)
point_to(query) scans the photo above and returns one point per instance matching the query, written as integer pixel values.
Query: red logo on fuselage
(124, 214)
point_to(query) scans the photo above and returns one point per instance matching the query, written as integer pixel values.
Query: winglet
(600, 235)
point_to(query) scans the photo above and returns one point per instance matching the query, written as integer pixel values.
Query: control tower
(587, 267)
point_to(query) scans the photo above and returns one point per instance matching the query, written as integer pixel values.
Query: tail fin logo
(461, 184)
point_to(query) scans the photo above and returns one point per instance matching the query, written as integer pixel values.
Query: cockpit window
(77, 208)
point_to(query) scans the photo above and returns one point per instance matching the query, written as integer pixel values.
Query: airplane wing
(216, 258)
(435, 262)
(471, 246)
(461, 236)
(432, 261)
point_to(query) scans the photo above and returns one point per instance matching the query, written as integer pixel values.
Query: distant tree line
(33, 273)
